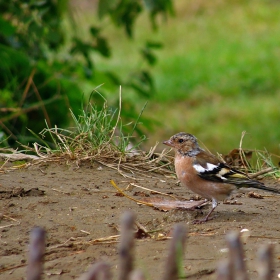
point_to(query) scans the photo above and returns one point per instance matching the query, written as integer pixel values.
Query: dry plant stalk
(235, 267)
(265, 262)
(231, 269)
(99, 271)
(242, 155)
(176, 249)
(154, 191)
(126, 246)
(225, 270)
(236, 256)
(124, 194)
(36, 254)
(162, 204)
(137, 275)
(9, 218)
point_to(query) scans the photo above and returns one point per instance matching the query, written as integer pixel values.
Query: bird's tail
(257, 185)
(248, 183)
(261, 186)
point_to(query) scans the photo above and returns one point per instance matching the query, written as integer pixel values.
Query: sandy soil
(78, 205)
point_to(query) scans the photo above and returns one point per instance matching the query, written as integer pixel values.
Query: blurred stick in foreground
(225, 270)
(99, 271)
(175, 254)
(265, 262)
(137, 275)
(232, 269)
(36, 254)
(236, 256)
(126, 246)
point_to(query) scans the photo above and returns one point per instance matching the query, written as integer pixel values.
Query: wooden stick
(36, 254)
(126, 246)
(175, 253)
(99, 271)
(261, 172)
(236, 256)
(225, 270)
(137, 275)
(265, 262)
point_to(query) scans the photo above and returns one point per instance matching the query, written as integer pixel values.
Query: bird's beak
(168, 143)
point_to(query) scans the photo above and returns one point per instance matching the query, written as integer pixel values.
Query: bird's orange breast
(189, 178)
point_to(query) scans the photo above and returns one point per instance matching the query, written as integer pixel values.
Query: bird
(205, 174)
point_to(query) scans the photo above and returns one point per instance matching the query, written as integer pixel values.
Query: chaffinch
(205, 174)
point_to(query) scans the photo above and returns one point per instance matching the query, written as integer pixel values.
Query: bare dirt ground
(76, 206)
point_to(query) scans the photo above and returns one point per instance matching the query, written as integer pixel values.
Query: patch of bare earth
(78, 206)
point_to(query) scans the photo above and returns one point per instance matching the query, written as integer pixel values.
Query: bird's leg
(204, 220)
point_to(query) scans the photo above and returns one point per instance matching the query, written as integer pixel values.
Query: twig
(175, 253)
(137, 275)
(36, 254)
(27, 87)
(31, 108)
(17, 156)
(225, 270)
(118, 117)
(112, 238)
(265, 262)
(99, 271)
(10, 218)
(236, 256)
(9, 132)
(241, 153)
(147, 189)
(159, 167)
(43, 106)
(136, 200)
(11, 267)
(143, 229)
(62, 244)
(126, 246)
(10, 225)
(261, 172)
(200, 273)
(60, 191)
(4, 163)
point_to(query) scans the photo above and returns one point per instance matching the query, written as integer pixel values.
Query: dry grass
(99, 136)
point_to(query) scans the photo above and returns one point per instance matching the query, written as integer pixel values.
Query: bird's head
(183, 142)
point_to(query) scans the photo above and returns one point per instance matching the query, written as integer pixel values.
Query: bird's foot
(207, 218)
(202, 221)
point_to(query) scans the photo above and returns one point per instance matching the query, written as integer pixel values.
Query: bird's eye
(181, 140)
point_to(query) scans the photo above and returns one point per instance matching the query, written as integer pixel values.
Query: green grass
(232, 50)
(217, 75)
(96, 131)
(99, 135)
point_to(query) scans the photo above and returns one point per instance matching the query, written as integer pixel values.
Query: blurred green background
(208, 68)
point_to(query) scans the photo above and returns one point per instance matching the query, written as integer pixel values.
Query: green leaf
(114, 78)
(103, 47)
(154, 45)
(148, 56)
(105, 7)
(6, 28)
(94, 30)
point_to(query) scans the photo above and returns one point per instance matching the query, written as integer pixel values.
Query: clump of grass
(99, 135)
(265, 164)
(256, 163)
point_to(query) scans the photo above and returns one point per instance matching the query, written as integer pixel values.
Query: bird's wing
(210, 168)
